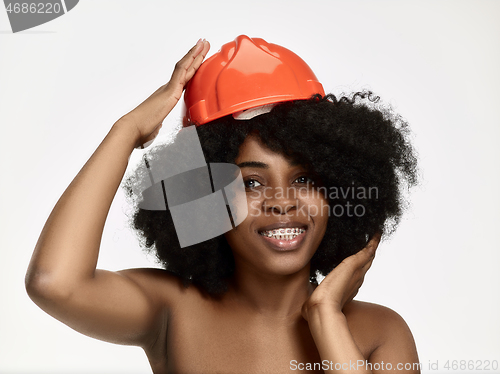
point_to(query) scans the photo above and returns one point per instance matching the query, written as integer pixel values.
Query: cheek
(319, 213)
(322, 218)
(317, 208)
(325, 209)
(325, 215)
(234, 237)
(254, 207)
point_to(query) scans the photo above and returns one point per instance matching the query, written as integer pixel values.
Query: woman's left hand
(342, 283)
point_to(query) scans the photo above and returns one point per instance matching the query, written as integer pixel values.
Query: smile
(283, 233)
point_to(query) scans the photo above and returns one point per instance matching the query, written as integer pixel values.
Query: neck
(271, 294)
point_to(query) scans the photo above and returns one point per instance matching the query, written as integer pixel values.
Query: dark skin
(271, 313)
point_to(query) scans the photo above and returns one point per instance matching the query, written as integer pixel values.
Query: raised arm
(62, 278)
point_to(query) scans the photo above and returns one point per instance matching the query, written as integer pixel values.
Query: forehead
(253, 149)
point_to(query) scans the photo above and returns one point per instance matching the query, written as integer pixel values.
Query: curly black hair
(361, 152)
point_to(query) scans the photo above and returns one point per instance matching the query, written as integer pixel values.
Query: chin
(288, 268)
(283, 263)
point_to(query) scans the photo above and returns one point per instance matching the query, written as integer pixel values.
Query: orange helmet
(244, 74)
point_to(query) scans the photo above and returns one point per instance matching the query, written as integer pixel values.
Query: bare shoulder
(377, 316)
(381, 333)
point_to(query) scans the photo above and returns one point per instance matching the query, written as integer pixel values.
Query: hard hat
(247, 73)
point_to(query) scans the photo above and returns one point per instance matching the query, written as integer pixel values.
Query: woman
(251, 304)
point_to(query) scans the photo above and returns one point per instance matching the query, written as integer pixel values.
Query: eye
(252, 183)
(304, 179)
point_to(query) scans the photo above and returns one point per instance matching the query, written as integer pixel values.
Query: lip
(283, 245)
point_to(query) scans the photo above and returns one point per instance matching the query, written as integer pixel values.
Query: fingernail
(199, 45)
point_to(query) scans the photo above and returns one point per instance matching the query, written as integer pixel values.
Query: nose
(279, 201)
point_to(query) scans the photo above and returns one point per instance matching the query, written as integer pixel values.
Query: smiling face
(287, 215)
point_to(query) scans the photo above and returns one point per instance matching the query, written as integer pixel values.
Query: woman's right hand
(147, 118)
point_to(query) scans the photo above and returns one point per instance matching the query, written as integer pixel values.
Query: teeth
(283, 234)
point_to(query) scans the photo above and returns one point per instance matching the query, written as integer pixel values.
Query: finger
(368, 252)
(369, 257)
(354, 291)
(374, 241)
(192, 53)
(358, 263)
(195, 57)
(192, 60)
(361, 263)
(362, 258)
(368, 265)
(197, 61)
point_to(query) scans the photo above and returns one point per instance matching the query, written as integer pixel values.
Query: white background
(64, 83)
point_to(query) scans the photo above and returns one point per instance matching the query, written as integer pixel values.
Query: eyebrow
(253, 164)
